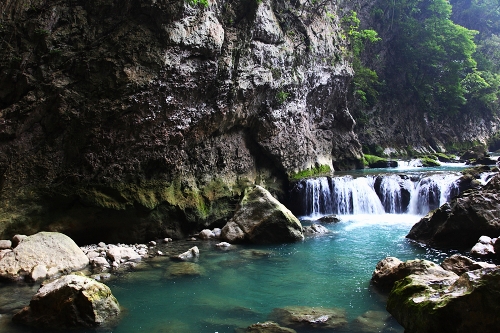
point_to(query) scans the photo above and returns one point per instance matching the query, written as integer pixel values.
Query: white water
(393, 194)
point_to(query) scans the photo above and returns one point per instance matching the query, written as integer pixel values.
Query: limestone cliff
(127, 119)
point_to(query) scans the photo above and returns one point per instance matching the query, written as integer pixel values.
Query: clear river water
(242, 285)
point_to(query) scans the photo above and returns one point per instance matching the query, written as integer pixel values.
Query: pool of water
(242, 285)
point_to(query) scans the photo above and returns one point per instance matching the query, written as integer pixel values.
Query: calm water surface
(242, 285)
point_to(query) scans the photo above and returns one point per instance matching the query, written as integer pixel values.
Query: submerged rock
(424, 303)
(266, 327)
(182, 269)
(68, 302)
(49, 252)
(371, 321)
(262, 219)
(303, 317)
(462, 221)
(315, 229)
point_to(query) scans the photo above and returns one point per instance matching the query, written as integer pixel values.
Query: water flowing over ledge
(392, 193)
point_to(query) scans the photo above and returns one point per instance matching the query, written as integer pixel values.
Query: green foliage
(203, 3)
(372, 159)
(281, 96)
(429, 161)
(316, 171)
(434, 55)
(365, 80)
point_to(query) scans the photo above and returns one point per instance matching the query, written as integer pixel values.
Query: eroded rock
(459, 264)
(303, 317)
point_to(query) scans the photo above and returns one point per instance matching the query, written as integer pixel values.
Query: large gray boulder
(42, 255)
(430, 304)
(461, 222)
(262, 219)
(70, 301)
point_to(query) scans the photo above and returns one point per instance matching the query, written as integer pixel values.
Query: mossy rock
(429, 161)
(373, 161)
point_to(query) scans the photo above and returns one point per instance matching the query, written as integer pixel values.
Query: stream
(237, 287)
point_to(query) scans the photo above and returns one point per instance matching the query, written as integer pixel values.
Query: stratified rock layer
(69, 302)
(461, 222)
(136, 119)
(42, 255)
(262, 219)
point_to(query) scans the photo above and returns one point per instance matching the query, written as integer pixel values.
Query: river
(242, 285)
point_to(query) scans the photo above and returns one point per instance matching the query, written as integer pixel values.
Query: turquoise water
(242, 285)
(240, 288)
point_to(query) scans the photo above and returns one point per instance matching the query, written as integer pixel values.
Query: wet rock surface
(68, 302)
(262, 219)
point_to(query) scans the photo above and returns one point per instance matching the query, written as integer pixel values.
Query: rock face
(42, 255)
(262, 219)
(136, 119)
(68, 302)
(424, 303)
(461, 222)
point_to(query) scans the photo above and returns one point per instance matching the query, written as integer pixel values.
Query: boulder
(315, 229)
(54, 251)
(328, 219)
(303, 317)
(390, 270)
(192, 253)
(262, 219)
(120, 254)
(68, 302)
(484, 247)
(459, 264)
(462, 221)
(5, 244)
(266, 327)
(18, 239)
(206, 234)
(426, 303)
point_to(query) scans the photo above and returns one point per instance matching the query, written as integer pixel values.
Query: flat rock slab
(304, 317)
(42, 255)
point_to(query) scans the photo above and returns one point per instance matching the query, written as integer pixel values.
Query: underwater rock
(262, 219)
(462, 221)
(68, 302)
(265, 327)
(182, 269)
(371, 321)
(425, 303)
(304, 317)
(50, 251)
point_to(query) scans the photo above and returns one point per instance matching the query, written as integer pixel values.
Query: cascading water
(394, 194)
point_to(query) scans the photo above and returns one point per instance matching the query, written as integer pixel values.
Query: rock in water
(266, 327)
(390, 270)
(51, 252)
(70, 301)
(422, 303)
(262, 219)
(459, 264)
(462, 221)
(303, 317)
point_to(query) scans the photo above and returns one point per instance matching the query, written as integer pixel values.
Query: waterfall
(393, 194)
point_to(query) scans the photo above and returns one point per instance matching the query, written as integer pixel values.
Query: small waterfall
(394, 194)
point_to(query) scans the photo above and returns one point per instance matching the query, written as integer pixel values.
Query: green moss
(316, 171)
(429, 161)
(372, 159)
